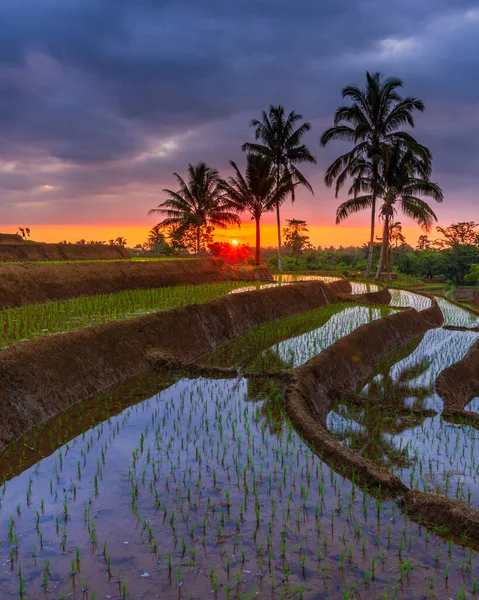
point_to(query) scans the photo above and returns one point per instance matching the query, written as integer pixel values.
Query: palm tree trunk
(384, 247)
(197, 240)
(278, 218)
(257, 259)
(371, 239)
(278, 224)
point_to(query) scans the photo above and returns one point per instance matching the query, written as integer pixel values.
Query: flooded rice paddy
(200, 488)
(291, 278)
(292, 341)
(409, 434)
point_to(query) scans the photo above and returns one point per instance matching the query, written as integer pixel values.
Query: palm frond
(353, 205)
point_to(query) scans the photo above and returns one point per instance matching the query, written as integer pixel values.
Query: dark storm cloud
(95, 84)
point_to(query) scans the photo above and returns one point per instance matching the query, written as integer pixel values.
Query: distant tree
(396, 236)
(185, 237)
(156, 241)
(282, 144)
(24, 232)
(82, 241)
(457, 261)
(257, 191)
(295, 236)
(372, 120)
(462, 234)
(120, 241)
(199, 204)
(424, 243)
(473, 276)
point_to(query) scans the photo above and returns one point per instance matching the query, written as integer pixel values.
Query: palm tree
(281, 143)
(256, 192)
(405, 179)
(372, 120)
(199, 202)
(402, 178)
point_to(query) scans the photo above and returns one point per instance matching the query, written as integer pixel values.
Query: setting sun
(234, 242)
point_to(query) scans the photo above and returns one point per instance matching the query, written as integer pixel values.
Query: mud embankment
(447, 516)
(26, 252)
(22, 284)
(40, 378)
(339, 370)
(458, 385)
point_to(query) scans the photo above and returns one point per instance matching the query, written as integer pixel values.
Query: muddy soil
(42, 377)
(20, 252)
(450, 517)
(458, 385)
(36, 283)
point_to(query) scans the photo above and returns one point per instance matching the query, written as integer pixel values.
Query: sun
(234, 242)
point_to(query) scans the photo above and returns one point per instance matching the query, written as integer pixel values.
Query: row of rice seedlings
(407, 299)
(361, 287)
(287, 343)
(293, 277)
(427, 452)
(191, 495)
(456, 315)
(29, 322)
(298, 350)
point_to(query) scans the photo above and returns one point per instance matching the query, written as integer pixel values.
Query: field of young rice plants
(31, 321)
(189, 494)
(290, 342)
(407, 299)
(456, 316)
(193, 488)
(408, 432)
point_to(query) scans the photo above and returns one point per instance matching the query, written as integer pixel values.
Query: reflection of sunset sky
(95, 122)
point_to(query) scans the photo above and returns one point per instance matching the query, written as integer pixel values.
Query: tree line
(387, 170)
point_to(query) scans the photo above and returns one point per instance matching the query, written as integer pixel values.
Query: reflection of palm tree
(387, 393)
(269, 390)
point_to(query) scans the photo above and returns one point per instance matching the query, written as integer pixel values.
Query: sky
(102, 100)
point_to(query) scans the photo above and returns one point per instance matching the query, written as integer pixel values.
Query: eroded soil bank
(40, 378)
(35, 283)
(20, 252)
(443, 514)
(458, 385)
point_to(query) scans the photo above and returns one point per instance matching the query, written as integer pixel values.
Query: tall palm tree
(374, 118)
(404, 180)
(200, 201)
(256, 192)
(401, 178)
(282, 144)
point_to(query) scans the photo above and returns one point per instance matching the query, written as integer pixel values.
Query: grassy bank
(36, 320)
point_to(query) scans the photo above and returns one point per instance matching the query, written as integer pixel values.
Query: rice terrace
(239, 346)
(238, 438)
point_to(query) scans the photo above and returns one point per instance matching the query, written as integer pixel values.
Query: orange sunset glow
(320, 235)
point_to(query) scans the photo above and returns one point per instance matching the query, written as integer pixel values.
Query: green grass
(32, 321)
